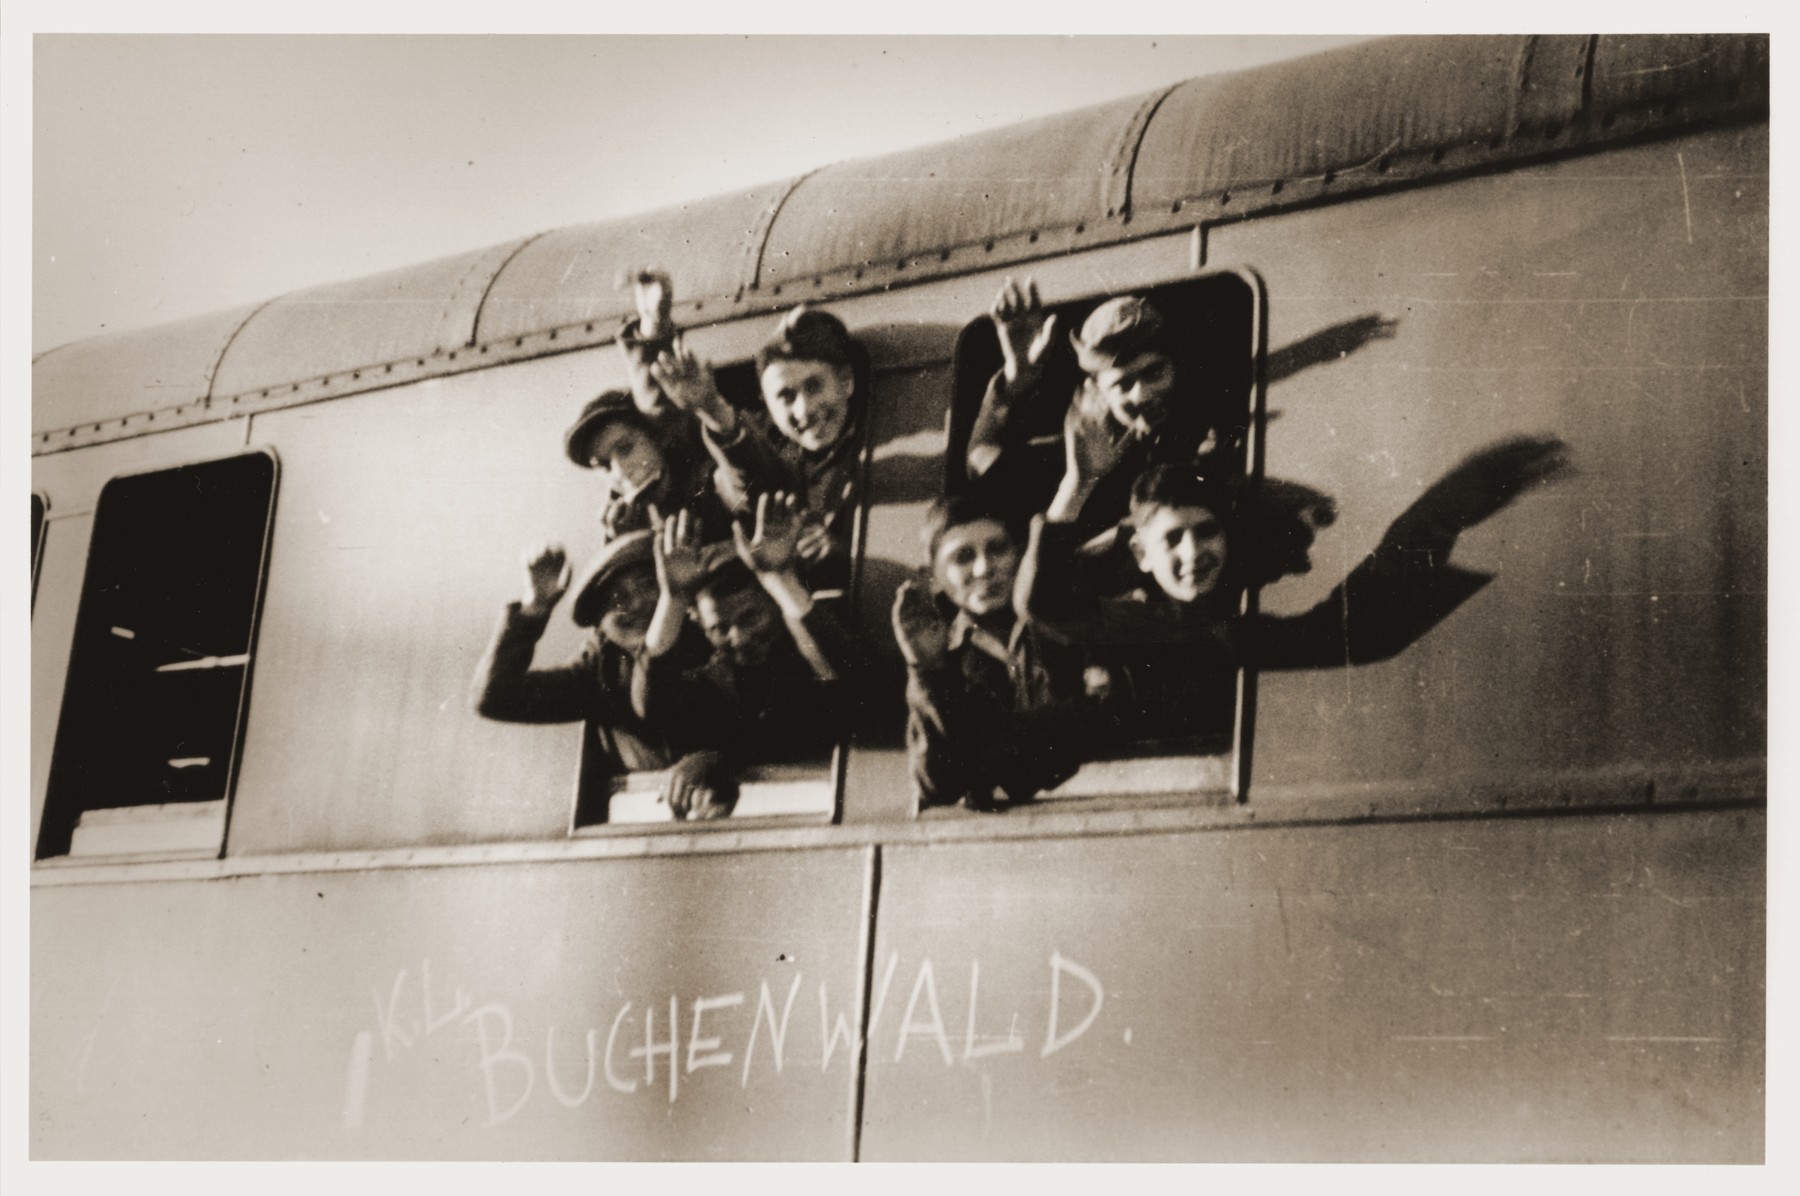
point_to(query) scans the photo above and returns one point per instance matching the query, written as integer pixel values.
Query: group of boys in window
(1082, 592)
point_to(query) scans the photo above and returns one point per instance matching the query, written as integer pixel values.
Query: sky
(179, 174)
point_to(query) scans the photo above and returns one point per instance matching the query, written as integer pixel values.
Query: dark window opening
(153, 705)
(1167, 711)
(37, 542)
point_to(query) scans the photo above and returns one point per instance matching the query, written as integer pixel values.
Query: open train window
(153, 706)
(1175, 711)
(744, 676)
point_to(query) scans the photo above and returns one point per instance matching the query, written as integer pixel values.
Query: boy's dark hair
(807, 334)
(729, 575)
(956, 510)
(612, 406)
(1177, 486)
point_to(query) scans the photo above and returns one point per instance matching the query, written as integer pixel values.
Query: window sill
(785, 792)
(176, 830)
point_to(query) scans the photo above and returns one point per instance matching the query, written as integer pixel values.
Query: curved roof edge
(1374, 116)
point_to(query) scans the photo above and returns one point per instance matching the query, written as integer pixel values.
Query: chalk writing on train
(657, 1046)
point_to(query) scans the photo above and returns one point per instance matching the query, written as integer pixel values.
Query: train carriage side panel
(401, 529)
(1551, 990)
(698, 1008)
(1567, 301)
(1618, 301)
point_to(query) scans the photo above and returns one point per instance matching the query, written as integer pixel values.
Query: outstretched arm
(773, 554)
(1026, 335)
(675, 545)
(648, 334)
(506, 688)
(688, 382)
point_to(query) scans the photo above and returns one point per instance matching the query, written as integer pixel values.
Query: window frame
(1092, 786)
(40, 532)
(759, 800)
(155, 815)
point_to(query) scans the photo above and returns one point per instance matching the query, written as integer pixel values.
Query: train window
(146, 747)
(747, 709)
(800, 790)
(1135, 547)
(37, 541)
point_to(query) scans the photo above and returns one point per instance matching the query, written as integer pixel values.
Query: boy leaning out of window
(775, 687)
(996, 713)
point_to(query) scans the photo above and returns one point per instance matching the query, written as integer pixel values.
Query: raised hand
(919, 628)
(675, 545)
(776, 543)
(547, 576)
(653, 295)
(1025, 332)
(688, 383)
(1093, 443)
(815, 537)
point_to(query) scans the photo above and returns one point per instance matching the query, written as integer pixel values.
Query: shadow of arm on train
(1329, 344)
(1407, 585)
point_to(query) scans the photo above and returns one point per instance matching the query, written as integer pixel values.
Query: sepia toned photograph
(895, 598)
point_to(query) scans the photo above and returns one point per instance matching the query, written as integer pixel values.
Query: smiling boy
(773, 689)
(1133, 406)
(1176, 646)
(814, 380)
(995, 713)
(639, 465)
(616, 597)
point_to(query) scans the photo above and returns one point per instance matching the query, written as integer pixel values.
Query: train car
(1497, 896)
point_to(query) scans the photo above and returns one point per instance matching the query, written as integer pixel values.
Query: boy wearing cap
(996, 712)
(1130, 408)
(773, 688)
(616, 597)
(641, 465)
(1176, 646)
(814, 380)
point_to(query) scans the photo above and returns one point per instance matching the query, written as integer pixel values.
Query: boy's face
(626, 604)
(975, 564)
(1138, 390)
(809, 401)
(630, 455)
(1183, 548)
(743, 623)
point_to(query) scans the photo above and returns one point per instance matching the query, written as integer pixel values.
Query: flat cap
(619, 553)
(1117, 329)
(614, 404)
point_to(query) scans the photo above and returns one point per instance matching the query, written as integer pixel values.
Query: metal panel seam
(872, 906)
(1586, 103)
(481, 304)
(1515, 100)
(759, 237)
(1131, 140)
(212, 373)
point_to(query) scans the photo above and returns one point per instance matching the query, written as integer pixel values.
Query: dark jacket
(794, 707)
(1019, 716)
(762, 461)
(594, 688)
(1177, 662)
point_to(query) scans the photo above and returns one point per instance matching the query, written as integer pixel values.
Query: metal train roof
(1373, 116)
